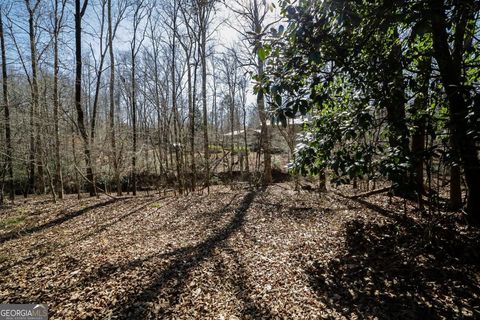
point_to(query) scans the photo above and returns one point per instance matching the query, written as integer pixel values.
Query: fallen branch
(370, 193)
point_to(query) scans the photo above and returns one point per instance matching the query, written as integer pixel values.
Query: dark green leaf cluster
(369, 76)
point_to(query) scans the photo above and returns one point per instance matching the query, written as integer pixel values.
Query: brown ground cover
(239, 254)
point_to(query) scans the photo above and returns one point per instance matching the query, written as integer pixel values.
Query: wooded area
(144, 102)
(243, 159)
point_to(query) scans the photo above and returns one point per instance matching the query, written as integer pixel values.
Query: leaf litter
(240, 254)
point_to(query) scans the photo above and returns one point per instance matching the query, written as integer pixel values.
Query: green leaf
(262, 54)
(278, 100)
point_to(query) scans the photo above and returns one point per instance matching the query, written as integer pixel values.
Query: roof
(296, 121)
(240, 132)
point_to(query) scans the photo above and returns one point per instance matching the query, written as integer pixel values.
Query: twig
(370, 193)
(84, 177)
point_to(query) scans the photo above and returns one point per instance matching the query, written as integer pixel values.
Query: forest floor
(239, 254)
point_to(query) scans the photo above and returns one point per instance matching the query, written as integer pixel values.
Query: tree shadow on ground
(42, 251)
(55, 222)
(170, 281)
(402, 270)
(108, 270)
(251, 309)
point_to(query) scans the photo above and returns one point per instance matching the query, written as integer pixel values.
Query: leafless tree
(59, 10)
(6, 108)
(189, 42)
(140, 12)
(32, 9)
(112, 28)
(204, 11)
(79, 13)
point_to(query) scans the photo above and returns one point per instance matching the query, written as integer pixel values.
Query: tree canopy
(387, 85)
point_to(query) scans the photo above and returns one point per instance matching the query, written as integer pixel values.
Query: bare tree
(157, 90)
(230, 73)
(103, 48)
(189, 43)
(6, 106)
(140, 12)
(59, 9)
(204, 9)
(174, 94)
(243, 87)
(111, 35)
(79, 13)
(34, 140)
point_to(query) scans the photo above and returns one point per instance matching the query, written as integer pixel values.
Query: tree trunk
(191, 115)
(34, 123)
(58, 164)
(111, 88)
(77, 178)
(134, 127)
(457, 96)
(79, 12)
(203, 57)
(93, 122)
(245, 137)
(176, 128)
(455, 188)
(8, 139)
(418, 136)
(231, 84)
(265, 132)
(134, 49)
